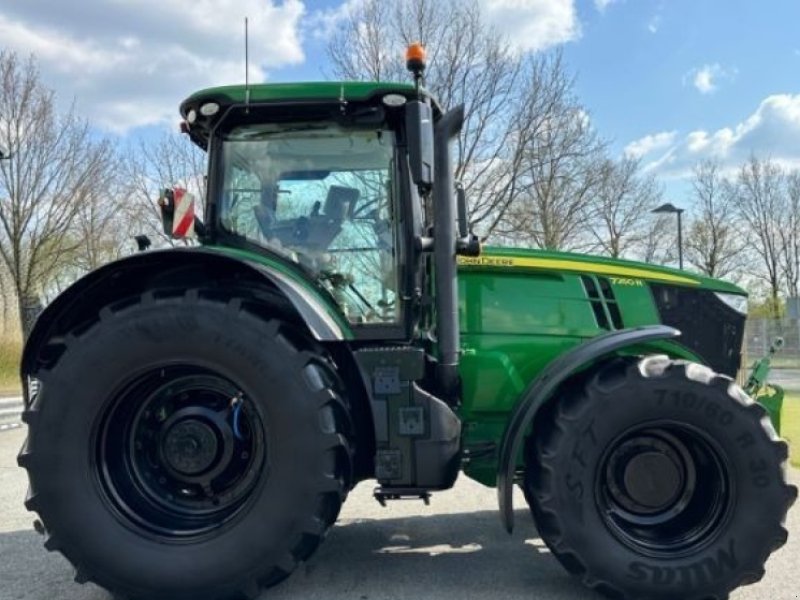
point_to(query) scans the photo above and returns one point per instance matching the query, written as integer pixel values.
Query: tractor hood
(517, 259)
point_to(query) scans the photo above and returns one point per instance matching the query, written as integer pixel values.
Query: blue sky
(669, 81)
(637, 61)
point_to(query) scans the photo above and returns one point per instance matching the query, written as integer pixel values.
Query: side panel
(514, 322)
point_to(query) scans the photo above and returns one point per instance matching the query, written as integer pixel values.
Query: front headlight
(736, 301)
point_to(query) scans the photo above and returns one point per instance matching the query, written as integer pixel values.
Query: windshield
(321, 195)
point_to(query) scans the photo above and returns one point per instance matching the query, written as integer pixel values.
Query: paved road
(454, 548)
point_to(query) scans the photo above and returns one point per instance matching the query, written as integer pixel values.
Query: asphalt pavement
(453, 548)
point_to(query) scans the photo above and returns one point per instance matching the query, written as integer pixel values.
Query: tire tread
(572, 402)
(325, 394)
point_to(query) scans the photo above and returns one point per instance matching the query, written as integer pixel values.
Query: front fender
(177, 267)
(556, 373)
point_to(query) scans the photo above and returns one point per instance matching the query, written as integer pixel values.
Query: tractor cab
(320, 176)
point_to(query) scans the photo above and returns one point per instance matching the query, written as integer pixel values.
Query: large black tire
(93, 482)
(658, 479)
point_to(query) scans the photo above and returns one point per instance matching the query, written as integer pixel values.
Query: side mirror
(142, 242)
(419, 131)
(177, 213)
(467, 243)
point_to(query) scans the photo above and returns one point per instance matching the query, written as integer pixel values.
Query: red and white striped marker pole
(183, 219)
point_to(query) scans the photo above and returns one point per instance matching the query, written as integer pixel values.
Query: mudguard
(543, 387)
(134, 274)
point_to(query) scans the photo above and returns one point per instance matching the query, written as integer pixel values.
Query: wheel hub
(190, 447)
(647, 474)
(169, 457)
(652, 480)
(663, 488)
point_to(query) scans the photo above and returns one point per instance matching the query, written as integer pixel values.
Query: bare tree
(758, 197)
(790, 235)
(620, 207)
(53, 167)
(469, 64)
(150, 166)
(657, 241)
(100, 233)
(544, 97)
(558, 175)
(714, 244)
(515, 109)
(362, 46)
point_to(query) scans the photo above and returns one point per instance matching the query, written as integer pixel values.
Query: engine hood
(519, 259)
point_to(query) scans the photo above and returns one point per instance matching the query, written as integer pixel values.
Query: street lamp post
(671, 208)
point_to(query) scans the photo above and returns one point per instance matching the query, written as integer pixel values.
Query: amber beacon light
(415, 60)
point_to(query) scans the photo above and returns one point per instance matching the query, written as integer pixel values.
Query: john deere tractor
(197, 416)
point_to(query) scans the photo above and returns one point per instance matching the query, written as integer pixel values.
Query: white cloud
(773, 131)
(602, 5)
(650, 143)
(322, 24)
(528, 25)
(706, 78)
(130, 63)
(654, 24)
(532, 25)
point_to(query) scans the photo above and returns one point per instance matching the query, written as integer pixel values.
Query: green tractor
(197, 416)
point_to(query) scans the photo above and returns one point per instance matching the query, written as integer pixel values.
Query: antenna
(246, 67)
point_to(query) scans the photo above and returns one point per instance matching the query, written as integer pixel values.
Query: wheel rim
(180, 451)
(664, 489)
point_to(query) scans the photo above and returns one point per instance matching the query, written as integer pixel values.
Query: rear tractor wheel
(184, 448)
(658, 479)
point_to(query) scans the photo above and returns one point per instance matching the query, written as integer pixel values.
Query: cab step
(382, 494)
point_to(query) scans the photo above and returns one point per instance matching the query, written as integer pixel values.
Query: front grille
(709, 327)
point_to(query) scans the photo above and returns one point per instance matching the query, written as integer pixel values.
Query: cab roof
(304, 92)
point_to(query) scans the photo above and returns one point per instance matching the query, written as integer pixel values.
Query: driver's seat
(323, 227)
(340, 203)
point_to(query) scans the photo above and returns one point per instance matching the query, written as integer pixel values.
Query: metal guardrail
(10, 412)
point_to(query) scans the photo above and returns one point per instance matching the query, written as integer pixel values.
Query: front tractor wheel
(658, 479)
(182, 448)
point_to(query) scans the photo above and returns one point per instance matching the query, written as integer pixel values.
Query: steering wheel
(265, 218)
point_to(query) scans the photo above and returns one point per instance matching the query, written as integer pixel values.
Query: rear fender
(543, 387)
(79, 305)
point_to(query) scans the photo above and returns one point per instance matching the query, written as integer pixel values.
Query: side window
(321, 196)
(365, 248)
(243, 195)
(346, 223)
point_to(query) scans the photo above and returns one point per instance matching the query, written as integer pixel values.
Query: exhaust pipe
(444, 254)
